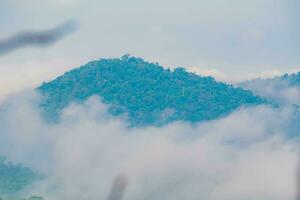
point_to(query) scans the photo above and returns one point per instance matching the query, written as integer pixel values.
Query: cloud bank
(277, 90)
(240, 157)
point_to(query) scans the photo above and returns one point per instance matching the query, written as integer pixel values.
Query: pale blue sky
(237, 37)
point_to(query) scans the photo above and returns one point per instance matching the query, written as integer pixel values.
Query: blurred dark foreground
(36, 38)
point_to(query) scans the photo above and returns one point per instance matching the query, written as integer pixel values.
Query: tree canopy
(149, 93)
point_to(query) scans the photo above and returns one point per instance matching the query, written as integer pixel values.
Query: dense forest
(147, 92)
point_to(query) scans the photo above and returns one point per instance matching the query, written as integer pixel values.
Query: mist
(274, 89)
(245, 155)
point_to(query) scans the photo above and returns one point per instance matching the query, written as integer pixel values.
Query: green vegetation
(150, 94)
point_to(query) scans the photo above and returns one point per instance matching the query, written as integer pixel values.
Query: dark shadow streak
(36, 38)
(118, 188)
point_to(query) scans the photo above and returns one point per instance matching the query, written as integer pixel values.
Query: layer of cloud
(240, 157)
(275, 89)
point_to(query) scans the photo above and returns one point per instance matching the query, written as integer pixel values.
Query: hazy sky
(238, 38)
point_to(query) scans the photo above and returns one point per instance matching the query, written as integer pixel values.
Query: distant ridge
(278, 90)
(292, 79)
(150, 94)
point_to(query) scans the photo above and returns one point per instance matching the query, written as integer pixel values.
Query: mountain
(292, 79)
(281, 90)
(147, 92)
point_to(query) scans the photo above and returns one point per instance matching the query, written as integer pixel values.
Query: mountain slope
(150, 94)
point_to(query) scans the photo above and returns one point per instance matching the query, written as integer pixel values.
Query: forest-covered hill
(149, 93)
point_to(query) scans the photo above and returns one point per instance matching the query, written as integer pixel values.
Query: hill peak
(149, 93)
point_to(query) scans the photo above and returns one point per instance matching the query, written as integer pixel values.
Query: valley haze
(245, 154)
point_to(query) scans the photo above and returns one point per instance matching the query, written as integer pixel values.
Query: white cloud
(217, 74)
(242, 156)
(238, 77)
